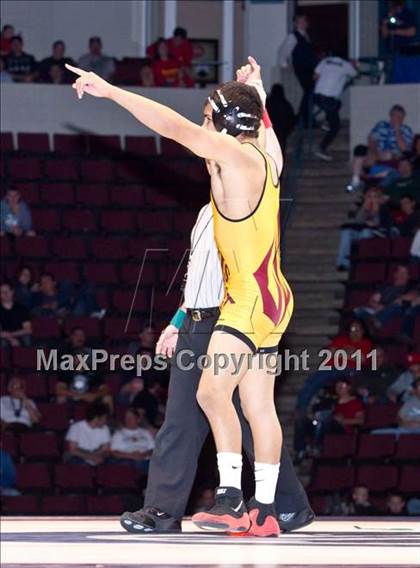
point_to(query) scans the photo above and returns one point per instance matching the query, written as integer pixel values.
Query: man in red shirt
(181, 48)
(6, 39)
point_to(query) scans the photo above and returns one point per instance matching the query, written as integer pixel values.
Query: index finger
(76, 70)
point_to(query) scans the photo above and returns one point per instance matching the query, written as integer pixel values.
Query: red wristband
(266, 119)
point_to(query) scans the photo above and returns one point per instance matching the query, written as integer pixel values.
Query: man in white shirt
(132, 444)
(332, 74)
(17, 411)
(88, 441)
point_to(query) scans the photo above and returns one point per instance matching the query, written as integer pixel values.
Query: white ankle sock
(230, 469)
(266, 475)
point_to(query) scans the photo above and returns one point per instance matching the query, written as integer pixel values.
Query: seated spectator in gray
(57, 58)
(95, 61)
(17, 411)
(409, 414)
(133, 444)
(21, 66)
(15, 321)
(402, 388)
(15, 217)
(88, 441)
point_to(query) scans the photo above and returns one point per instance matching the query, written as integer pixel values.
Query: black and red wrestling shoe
(263, 519)
(228, 514)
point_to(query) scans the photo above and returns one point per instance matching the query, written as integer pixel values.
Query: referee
(179, 441)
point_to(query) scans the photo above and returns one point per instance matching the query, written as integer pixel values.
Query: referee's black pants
(179, 441)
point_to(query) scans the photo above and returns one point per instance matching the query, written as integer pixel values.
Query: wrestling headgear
(228, 118)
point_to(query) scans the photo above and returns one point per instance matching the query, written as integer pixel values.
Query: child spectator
(133, 444)
(396, 506)
(88, 441)
(15, 218)
(360, 505)
(95, 61)
(15, 321)
(146, 76)
(17, 411)
(22, 66)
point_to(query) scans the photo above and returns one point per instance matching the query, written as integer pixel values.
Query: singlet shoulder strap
(267, 162)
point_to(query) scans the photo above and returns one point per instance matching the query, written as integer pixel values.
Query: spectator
(205, 500)
(19, 64)
(16, 218)
(387, 141)
(396, 506)
(399, 27)
(7, 475)
(360, 505)
(48, 66)
(401, 388)
(25, 287)
(409, 414)
(95, 61)
(166, 69)
(281, 114)
(88, 441)
(181, 49)
(348, 412)
(406, 219)
(405, 184)
(17, 411)
(332, 75)
(371, 218)
(372, 384)
(7, 34)
(15, 322)
(55, 75)
(5, 76)
(415, 155)
(146, 76)
(149, 400)
(133, 444)
(81, 385)
(298, 48)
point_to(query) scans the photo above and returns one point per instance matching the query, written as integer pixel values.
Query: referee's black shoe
(149, 520)
(292, 521)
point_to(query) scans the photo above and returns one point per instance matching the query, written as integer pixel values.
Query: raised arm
(163, 120)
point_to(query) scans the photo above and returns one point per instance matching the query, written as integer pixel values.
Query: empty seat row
(370, 447)
(378, 272)
(382, 248)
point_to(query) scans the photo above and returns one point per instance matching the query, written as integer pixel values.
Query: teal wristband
(178, 318)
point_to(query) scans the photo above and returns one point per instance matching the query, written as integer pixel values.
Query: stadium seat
(40, 446)
(69, 247)
(410, 479)
(141, 145)
(380, 416)
(21, 505)
(115, 329)
(32, 247)
(33, 143)
(131, 272)
(117, 221)
(369, 272)
(63, 505)
(156, 251)
(79, 220)
(45, 220)
(113, 382)
(97, 170)
(127, 71)
(401, 248)
(109, 248)
(127, 196)
(64, 271)
(6, 142)
(158, 198)
(372, 446)
(396, 354)
(68, 144)
(91, 326)
(24, 357)
(92, 194)
(32, 477)
(57, 194)
(54, 416)
(5, 246)
(101, 273)
(133, 170)
(184, 222)
(29, 191)
(4, 357)
(122, 300)
(104, 504)
(100, 145)
(318, 504)
(25, 168)
(408, 448)
(391, 329)
(62, 169)
(10, 443)
(332, 478)
(171, 148)
(116, 476)
(155, 222)
(378, 478)
(45, 328)
(338, 446)
(373, 248)
(36, 386)
(72, 477)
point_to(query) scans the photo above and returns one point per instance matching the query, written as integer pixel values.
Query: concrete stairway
(320, 207)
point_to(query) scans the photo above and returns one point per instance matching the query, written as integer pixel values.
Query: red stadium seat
(64, 271)
(137, 247)
(91, 326)
(70, 144)
(113, 382)
(25, 168)
(65, 169)
(5, 246)
(109, 248)
(157, 198)
(69, 247)
(184, 222)
(72, 477)
(32, 477)
(127, 196)
(32, 247)
(6, 142)
(104, 145)
(54, 417)
(391, 329)
(131, 272)
(4, 357)
(408, 447)
(97, 170)
(401, 247)
(115, 328)
(63, 505)
(378, 478)
(79, 220)
(410, 479)
(104, 504)
(369, 272)
(373, 248)
(380, 416)
(117, 221)
(127, 71)
(36, 386)
(21, 505)
(116, 476)
(92, 194)
(101, 273)
(29, 191)
(141, 145)
(24, 357)
(159, 222)
(170, 148)
(372, 446)
(40, 446)
(357, 298)
(332, 478)
(123, 300)
(58, 194)
(396, 354)
(45, 328)
(10, 444)
(133, 171)
(33, 143)
(338, 446)
(45, 220)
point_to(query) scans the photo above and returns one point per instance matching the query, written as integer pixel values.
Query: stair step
(312, 275)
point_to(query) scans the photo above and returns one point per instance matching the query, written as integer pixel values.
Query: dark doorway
(328, 27)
